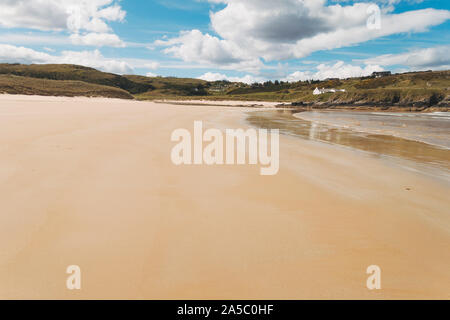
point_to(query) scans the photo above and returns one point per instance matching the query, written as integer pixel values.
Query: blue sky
(238, 40)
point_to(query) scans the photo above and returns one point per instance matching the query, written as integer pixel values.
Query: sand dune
(89, 182)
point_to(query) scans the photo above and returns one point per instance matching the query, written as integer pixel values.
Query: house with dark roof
(381, 74)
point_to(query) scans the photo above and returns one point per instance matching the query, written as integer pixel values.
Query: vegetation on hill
(74, 72)
(170, 87)
(12, 84)
(416, 89)
(421, 89)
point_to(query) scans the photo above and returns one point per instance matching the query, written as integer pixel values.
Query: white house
(318, 91)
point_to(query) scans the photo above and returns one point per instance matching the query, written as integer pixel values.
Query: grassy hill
(12, 84)
(421, 89)
(417, 89)
(140, 86)
(74, 72)
(170, 87)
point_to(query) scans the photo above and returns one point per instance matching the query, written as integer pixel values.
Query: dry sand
(90, 182)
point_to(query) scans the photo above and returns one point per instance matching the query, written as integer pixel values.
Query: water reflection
(432, 128)
(374, 143)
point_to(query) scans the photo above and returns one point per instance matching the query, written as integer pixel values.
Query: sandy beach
(89, 182)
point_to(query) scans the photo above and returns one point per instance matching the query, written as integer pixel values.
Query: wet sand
(415, 155)
(90, 182)
(430, 127)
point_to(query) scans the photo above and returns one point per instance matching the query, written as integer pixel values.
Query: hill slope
(418, 90)
(74, 72)
(12, 84)
(421, 89)
(164, 87)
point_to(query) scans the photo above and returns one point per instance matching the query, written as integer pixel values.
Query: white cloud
(337, 70)
(80, 18)
(58, 15)
(194, 46)
(13, 54)
(93, 59)
(413, 21)
(97, 39)
(210, 76)
(437, 58)
(151, 74)
(251, 30)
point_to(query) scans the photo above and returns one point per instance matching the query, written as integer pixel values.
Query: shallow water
(291, 123)
(431, 128)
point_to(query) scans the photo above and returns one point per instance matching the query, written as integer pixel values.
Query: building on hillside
(381, 74)
(318, 91)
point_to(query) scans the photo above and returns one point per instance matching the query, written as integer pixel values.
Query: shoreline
(267, 104)
(415, 155)
(366, 108)
(304, 106)
(365, 129)
(90, 182)
(221, 103)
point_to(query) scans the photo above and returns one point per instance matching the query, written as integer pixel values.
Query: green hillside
(170, 87)
(421, 88)
(74, 72)
(416, 89)
(12, 84)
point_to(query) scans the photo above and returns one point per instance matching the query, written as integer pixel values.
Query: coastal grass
(74, 72)
(12, 84)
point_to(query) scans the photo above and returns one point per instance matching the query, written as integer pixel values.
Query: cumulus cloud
(413, 21)
(251, 30)
(211, 76)
(437, 58)
(194, 46)
(85, 20)
(338, 70)
(203, 47)
(13, 54)
(93, 59)
(97, 39)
